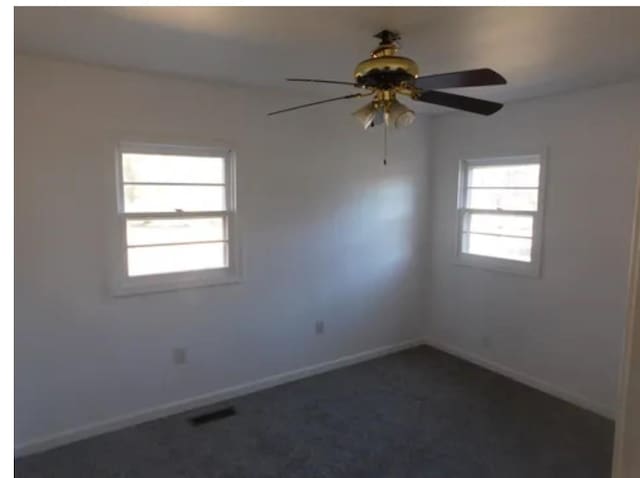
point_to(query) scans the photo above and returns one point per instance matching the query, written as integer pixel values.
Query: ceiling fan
(384, 76)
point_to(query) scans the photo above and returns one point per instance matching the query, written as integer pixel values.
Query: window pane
(506, 199)
(152, 198)
(166, 259)
(500, 224)
(165, 168)
(164, 231)
(506, 176)
(513, 248)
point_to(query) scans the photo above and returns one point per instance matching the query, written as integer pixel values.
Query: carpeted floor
(418, 413)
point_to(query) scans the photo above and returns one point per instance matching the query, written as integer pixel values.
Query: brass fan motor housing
(386, 63)
(385, 69)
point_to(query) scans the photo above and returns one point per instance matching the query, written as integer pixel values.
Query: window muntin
(500, 212)
(176, 206)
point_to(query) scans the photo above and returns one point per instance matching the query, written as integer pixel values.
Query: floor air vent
(212, 416)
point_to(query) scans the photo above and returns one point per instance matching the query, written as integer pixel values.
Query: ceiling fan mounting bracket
(387, 37)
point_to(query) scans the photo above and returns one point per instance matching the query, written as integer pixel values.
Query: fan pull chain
(384, 161)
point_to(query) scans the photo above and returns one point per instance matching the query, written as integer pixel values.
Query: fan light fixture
(366, 115)
(394, 114)
(398, 115)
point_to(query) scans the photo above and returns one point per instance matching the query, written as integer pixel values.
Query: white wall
(564, 331)
(327, 233)
(626, 459)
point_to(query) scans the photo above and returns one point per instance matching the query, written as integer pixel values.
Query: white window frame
(533, 268)
(123, 284)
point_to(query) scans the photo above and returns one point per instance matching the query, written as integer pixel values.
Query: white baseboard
(117, 423)
(543, 386)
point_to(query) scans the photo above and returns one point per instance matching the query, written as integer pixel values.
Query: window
(176, 206)
(500, 213)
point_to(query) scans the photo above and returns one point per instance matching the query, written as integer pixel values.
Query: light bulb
(398, 115)
(366, 114)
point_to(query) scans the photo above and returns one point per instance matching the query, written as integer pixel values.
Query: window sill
(171, 282)
(494, 264)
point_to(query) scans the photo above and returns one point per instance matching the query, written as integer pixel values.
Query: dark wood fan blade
(460, 79)
(309, 80)
(306, 105)
(459, 102)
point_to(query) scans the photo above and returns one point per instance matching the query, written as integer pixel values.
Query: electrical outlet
(179, 355)
(319, 327)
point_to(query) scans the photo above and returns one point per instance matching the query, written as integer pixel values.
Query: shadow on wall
(376, 277)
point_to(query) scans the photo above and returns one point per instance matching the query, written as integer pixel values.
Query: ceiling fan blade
(355, 95)
(459, 79)
(309, 80)
(459, 102)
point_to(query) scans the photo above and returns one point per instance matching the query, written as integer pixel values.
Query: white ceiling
(539, 50)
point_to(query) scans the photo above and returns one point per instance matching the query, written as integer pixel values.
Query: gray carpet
(418, 413)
